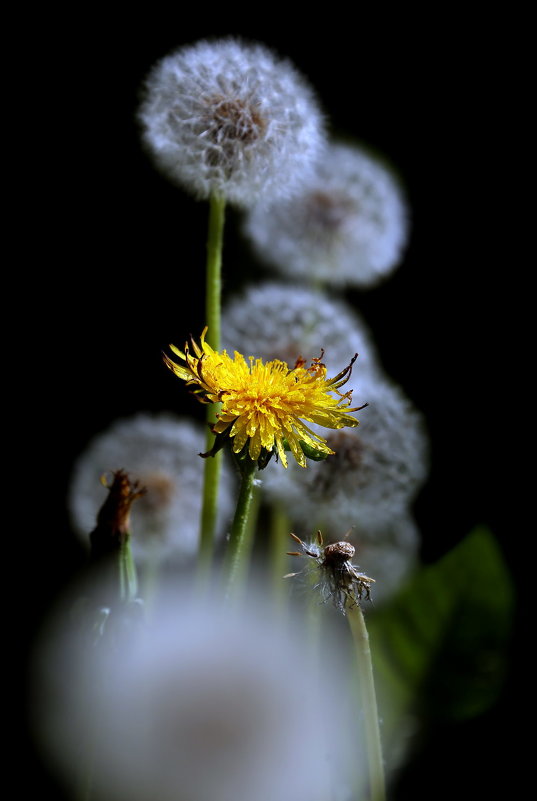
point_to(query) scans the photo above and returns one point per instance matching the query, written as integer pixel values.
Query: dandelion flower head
(347, 227)
(232, 119)
(265, 404)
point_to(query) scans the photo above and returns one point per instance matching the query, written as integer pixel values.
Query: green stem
(213, 304)
(209, 509)
(249, 537)
(237, 550)
(369, 702)
(215, 240)
(128, 582)
(279, 545)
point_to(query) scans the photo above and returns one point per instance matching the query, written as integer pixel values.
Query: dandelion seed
(348, 226)
(264, 405)
(231, 119)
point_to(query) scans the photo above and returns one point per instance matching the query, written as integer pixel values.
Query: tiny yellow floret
(265, 404)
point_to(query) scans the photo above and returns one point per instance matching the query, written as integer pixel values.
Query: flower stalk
(237, 551)
(369, 701)
(213, 303)
(279, 532)
(128, 581)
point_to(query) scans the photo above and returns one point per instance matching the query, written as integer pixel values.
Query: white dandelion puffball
(375, 472)
(231, 119)
(200, 704)
(161, 452)
(278, 321)
(389, 554)
(348, 226)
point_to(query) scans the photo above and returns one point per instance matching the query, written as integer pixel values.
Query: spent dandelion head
(113, 519)
(337, 579)
(231, 119)
(264, 405)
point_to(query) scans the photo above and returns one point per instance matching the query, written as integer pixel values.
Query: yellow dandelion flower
(265, 404)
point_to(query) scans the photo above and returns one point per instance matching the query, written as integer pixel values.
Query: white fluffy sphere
(231, 119)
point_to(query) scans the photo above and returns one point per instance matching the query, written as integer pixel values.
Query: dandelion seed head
(199, 703)
(348, 227)
(232, 119)
(281, 321)
(161, 453)
(375, 470)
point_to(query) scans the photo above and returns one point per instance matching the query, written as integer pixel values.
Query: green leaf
(440, 647)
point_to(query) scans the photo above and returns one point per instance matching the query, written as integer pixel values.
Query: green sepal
(307, 450)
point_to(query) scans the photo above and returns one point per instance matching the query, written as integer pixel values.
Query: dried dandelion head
(336, 578)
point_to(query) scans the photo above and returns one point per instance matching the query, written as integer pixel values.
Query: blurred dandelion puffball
(281, 321)
(374, 474)
(231, 119)
(161, 452)
(347, 227)
(201, 704)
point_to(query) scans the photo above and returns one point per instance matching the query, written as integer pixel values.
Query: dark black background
(111, 259)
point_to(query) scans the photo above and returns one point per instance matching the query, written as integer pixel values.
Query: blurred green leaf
(440, 647)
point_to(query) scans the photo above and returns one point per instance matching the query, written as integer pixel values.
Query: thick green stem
(213, 304)
(237, 550)
(369, 702)
(248, 538)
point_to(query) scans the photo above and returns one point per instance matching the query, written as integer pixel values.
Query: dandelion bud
(161, 453)
(231, 119)
(348, 226)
